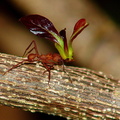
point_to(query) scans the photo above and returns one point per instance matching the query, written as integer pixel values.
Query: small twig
(91, 95)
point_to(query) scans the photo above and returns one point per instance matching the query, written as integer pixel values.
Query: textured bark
(91, 95)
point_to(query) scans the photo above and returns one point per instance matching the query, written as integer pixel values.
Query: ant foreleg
(49, 76)
(65, 71)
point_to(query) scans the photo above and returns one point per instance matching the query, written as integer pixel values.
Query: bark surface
(91, 95)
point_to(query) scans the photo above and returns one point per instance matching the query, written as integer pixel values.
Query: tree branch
(91, 95)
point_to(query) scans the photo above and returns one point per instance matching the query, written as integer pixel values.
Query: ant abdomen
(31, 57)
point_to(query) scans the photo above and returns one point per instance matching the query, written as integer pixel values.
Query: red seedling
(44, 28)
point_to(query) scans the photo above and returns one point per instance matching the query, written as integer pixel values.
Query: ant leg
(48, 69)
(66, 72)
(34, 48)
(18, 64)
(49, 76)
(30, 59)
(25, 53)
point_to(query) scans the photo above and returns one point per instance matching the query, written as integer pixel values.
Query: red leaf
(63, 35)
(78, 28)
(40, 26)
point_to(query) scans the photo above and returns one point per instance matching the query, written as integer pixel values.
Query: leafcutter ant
(44, 28)
(48, 60)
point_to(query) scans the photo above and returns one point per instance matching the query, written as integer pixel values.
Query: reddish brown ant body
(48, 61)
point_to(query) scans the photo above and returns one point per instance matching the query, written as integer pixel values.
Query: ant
(48, 61)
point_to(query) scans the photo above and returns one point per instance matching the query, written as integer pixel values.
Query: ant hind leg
(15, 66)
